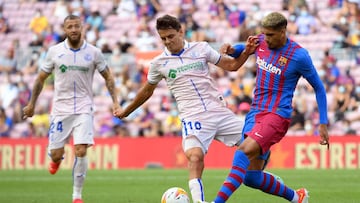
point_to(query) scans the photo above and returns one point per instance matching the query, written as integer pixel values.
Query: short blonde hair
(274, 20)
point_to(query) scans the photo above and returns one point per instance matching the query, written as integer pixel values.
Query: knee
(195, 156)
(251, 149)
(195, 159)
(80, 150)
(248, 151)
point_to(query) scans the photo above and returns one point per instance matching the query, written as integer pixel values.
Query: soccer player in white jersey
(73, 62)
(202, 108)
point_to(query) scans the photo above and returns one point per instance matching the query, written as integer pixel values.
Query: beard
(74, 40)
(270, 45)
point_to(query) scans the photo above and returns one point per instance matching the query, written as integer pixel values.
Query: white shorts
(223, 125)
(61, 127)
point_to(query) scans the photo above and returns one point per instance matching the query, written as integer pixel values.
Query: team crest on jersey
(87, 57)
(282, 61)
(63, 68)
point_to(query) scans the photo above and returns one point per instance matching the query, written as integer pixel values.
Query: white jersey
(74, 71)
(188, 77)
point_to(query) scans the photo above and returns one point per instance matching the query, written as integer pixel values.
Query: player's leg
(56, 157)
(255, 176)
(266, 182)
(83, 138)
(259, 129)
(270, 184)
(248, 150)
(58, 135)
(198, 133)
(79, 170)
(195, 156)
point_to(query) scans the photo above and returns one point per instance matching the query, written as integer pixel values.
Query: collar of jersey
(68, 47)
(186, 46)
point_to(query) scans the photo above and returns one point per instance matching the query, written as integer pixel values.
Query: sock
(235, 177)
(267, 183)
(295, 199)
(79, 173)
(196, 189)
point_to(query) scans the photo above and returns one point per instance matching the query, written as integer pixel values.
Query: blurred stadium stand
(122, 28)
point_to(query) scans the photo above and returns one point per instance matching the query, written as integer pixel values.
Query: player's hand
(324, 135)
(252, 43)
(227, 49)
(28, 111)
(116, 109)
(120, 114)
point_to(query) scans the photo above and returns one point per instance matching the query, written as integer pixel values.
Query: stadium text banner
(118, 153)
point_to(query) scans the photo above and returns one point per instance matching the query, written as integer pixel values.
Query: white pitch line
(95, 177)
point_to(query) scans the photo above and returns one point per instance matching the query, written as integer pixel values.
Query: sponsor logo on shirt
(268, 66)
(172, 73)
(65, 68)
(186, 68)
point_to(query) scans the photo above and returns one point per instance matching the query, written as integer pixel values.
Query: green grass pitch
(148, 185)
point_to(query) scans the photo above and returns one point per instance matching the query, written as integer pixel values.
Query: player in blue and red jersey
(280, 64)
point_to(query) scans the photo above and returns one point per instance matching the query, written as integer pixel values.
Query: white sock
(295, 198)
(196, 189)
(79, 173)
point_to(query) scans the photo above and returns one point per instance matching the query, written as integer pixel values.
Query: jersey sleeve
(239, 48)
(310, 74)
(321, 100)
(212, 55)
(48, 64)
(154, 76)
(306, 66)
(100, 62)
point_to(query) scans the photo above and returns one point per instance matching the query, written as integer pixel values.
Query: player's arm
(142, 96)
(233, 57)
(110, 85)
(28, 110)
(307, 69)
(320, 93)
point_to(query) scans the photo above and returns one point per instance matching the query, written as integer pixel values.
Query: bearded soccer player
(73, 62)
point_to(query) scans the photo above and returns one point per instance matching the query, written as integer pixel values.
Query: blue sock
(267, 183)
(235, 177)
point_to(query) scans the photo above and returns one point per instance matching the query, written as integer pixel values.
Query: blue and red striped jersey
(278, 71)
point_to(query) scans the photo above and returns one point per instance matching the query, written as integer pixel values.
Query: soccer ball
(175, 195)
